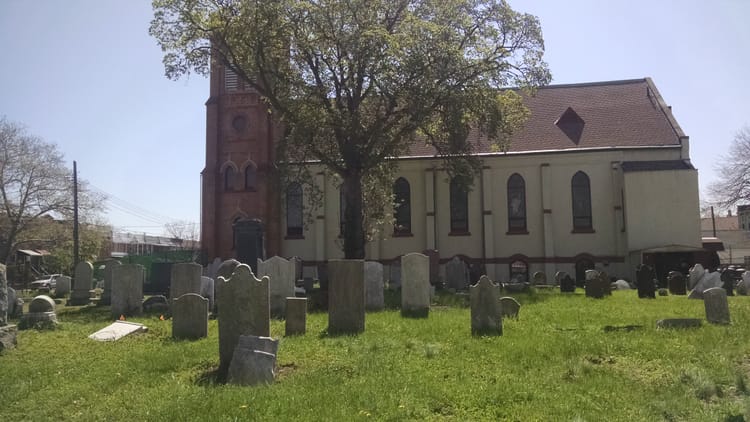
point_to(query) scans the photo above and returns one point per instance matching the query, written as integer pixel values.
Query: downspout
(481, 211)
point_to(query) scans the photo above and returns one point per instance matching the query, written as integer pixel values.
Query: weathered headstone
(207, 291)
(296, 316)
(374, 296)
(606, 283)
(694, 275)
(244, 309)
(346, 296)
(297, 261)
(15, 304)
(118, 330)
(567, 284)
(743, 287)
(127, 290)
(41, 314)
(415, 285)
(706, 282)
(62, 288)
(212, 270)
(394, 275)
(156, 303)
(434, 257)
(253, 361)
(81, 294)
(595, 286)
(486, 313)
(281, 273)
(3, 296)
(676, 283)
(559, 276)
(622, 285)
(185, 278)
(678, 323)
(727, 281)
(106, 298)
(717, 307)
(457, 274)
(509, 307)
(644, 275)
(539, 278)
(189, 316)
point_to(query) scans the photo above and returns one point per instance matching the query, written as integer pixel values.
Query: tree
(182, 230)
(34, 182)
(355, 82)
(733, 184)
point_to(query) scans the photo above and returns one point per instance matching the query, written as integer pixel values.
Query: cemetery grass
(557, 361)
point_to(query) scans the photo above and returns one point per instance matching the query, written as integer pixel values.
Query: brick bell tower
(238, 181)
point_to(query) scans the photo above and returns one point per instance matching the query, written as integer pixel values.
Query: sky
(86, 76)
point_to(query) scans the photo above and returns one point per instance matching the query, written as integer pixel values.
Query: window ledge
(513, 232)
(403, 234)
(459, 233)
(583, 231)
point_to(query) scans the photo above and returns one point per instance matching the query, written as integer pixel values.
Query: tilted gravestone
(346, 296)
(81, 294)
(296, 316)
(415, 285)
(207, 291)
(281, 273)
(644, 275)
(457, 274)
(676, 283)
(244, 309)
(127, 290)
(374, 296)
(717, 307)
(189, 316)
(185, 278)
(595, 287)
(509, 307)
(486, 314)
(62, 288)
(253, 361)
(106, 298)
(706, 282)
(694, 275)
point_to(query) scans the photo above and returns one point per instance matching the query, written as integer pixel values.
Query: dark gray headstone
(127, 290)
(394, 275)
(457, 274)
(717, 306)
(486, 315)
(189, 316)
(434, 257)
(539, 278)
(62, 288)
(509, 307)
(156, 303)
(346, 296)
(185, 278)
(567, 284)
(727, 281)
(296, 315)
(595, 285)
(81, 294)
(644, 275)
(676, 283)
(106, 298)
(253, 361)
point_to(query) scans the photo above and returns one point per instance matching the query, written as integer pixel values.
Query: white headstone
(374, 296)
(281, 273)
(694, 275)
(415, 284)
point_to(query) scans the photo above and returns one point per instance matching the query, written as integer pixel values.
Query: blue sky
(87, 76)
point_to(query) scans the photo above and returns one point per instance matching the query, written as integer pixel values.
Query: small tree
(733, 184)
(355, 82)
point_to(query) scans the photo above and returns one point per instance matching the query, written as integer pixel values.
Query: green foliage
(356, 82)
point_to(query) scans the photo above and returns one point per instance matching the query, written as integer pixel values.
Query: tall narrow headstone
(62, 288)
(644, 275)
(346, 296)
(374, 296)
(81, 294)
(296, 315)
(486, 315)
(244, 308)
(207, 291)
(106, 298)
(676, 283)
(281, 273)
(457, 274)
(185, 278)
(127, 290)
(415, 285)
(717, 306)
(189, 316)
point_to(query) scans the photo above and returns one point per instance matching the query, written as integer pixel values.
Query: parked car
(48, 283)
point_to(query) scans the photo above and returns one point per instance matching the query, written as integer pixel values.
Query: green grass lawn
(556, 362)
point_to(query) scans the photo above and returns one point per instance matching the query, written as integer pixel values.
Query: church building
(599, 176)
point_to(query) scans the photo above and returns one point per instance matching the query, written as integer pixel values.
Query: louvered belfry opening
(571, 124)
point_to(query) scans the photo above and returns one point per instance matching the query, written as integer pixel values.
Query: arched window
(229, 178)
(459, 203)
(250, 178)
(294, 210)
(519, 272)
(401, 207)
(581, 194)
(516, 204)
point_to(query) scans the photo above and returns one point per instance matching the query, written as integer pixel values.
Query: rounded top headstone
(42, 303)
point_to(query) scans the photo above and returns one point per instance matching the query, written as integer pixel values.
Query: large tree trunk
(354, 232)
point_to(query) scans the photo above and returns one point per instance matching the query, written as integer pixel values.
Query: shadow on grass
(85, 314)
(210, 376)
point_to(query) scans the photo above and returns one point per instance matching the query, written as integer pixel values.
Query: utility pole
(75, 216)
(713, 220)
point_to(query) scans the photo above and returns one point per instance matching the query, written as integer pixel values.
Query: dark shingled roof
(627, 113)
(657, 165)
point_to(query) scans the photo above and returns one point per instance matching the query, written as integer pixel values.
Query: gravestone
(346, 296)
(434, 257)
(212, 270)
(606, 283)
(281, 278)
(559, 276)
(118, 330)
(322, 269)
(207, 291)
(127, 290)
(644, 275)
(374, 295)
(3, 296)
(106, 298)
(694, 275)
(457, 274)
(15, 304)
(486, 312)
(189, 316)
(717, 307)
(706, 282)
(676, 283)
(62, 288)
(622, 285)
(244, 309)
(297, 261)
(743, 287)
(296, 316)
(539, 278)
(567, 284)
(253, 361)
(8, 332)
(81, 294)
(509, 307)
(595, 287)
(41, 314)
(727, 281)
(415, 285)
(156, 303)
(394, 275)
(248, 235)
(185, 278)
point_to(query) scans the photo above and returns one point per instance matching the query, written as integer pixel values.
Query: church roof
(625, 113)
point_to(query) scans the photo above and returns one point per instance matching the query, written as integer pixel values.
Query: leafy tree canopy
(355, 82)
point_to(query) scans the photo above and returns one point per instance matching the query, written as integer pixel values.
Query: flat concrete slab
(118, 330)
